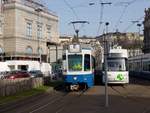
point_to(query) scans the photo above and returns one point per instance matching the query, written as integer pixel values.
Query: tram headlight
(74, 78)
(85, 79)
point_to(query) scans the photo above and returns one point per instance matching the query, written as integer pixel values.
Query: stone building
(146, 48)
(131, 41)
(28, 30)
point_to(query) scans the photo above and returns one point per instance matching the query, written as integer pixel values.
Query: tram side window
(145, 66)
(86, 62)
(64, 57)
(93, 62)
(126, 64)
(12, 67)
(130, 66)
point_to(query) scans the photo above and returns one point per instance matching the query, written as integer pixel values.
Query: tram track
(54, 102)
(39, 102)
(65, 104)
(124, 92)
(32, 103)
(131, 89)
(114, 88)
(132, 98)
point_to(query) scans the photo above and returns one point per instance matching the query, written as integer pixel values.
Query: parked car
(36, 73)
(3, 74)
(18, 74)
(56, 75)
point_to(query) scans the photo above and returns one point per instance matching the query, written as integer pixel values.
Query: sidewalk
(94, 100)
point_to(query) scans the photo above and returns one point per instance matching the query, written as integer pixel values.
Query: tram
(78, 67)
(117, 72)
(139, 66)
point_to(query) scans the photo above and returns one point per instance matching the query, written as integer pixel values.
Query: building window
(1, 29)
(40, 51)
(29, 29)
(39, 31)
(29, 50)
(5, 1)
(1, 50)
(48, 32)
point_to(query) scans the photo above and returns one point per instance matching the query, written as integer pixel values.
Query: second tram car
(140, 66)
(117, 72)
(78, 67)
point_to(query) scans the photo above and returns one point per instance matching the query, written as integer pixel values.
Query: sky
(121, 14)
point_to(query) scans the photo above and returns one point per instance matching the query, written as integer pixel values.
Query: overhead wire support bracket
(77, 30)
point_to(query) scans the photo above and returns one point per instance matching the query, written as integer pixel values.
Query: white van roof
(4, 67)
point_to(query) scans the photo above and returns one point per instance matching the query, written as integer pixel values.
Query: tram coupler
(74, 87)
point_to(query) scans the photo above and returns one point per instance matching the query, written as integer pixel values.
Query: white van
(3, 69)
(46, 69)
(29, 66)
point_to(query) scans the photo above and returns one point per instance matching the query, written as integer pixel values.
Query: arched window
(40, 51)
(29, 50)
(1, 50)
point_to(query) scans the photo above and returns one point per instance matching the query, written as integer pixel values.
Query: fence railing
(10, 87)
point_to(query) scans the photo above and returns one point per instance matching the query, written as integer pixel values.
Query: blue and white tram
(78, 67)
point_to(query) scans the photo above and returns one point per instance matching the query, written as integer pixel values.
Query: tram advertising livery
(117, 67)
(78, 64)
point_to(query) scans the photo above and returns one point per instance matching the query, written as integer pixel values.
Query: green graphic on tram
(120, 77)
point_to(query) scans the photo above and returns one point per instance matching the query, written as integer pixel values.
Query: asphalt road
(132, 98)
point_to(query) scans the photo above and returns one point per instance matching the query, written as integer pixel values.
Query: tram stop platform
(121, 100)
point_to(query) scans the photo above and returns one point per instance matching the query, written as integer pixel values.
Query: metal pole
(56, 53)
(139, 25)
(106, 67)
(77, 34)
(39, 42)
(38, 10)
(49, 54)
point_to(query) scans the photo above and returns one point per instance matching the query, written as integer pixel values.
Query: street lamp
(106, 65)
(139, 28)
(139, 25)
(105, 48)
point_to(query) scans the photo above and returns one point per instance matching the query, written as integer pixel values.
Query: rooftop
(31, 3)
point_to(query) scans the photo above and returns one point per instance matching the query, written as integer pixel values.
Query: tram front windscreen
(75, 62)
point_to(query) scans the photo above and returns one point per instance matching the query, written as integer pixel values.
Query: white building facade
(28, 29)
